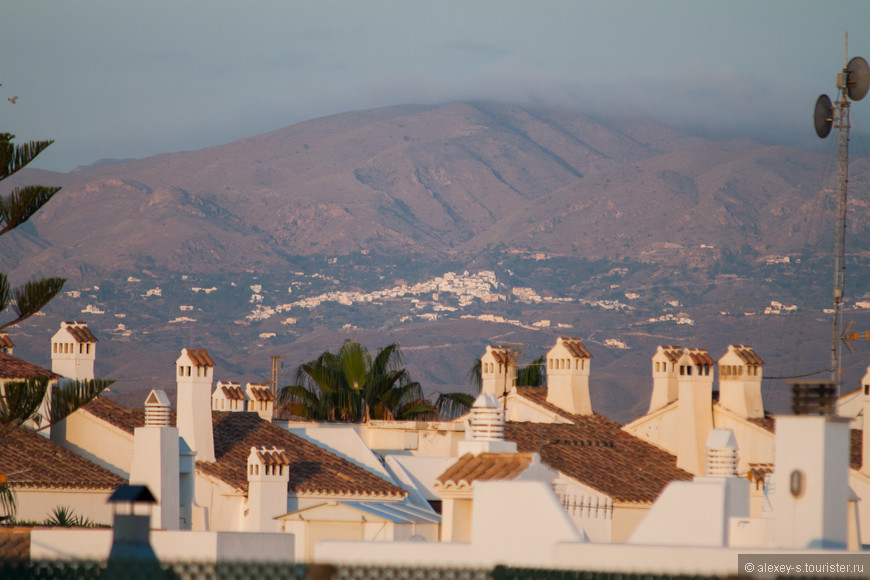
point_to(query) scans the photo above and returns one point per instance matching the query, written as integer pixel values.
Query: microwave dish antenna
(853, 83)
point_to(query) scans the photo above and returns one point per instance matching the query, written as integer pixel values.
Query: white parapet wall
(184, 546)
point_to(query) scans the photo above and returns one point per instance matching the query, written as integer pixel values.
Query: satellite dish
(823, 116)
(858, 79)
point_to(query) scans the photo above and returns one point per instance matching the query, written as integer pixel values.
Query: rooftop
(313, 470)
(15, 368)
(484, 467)
(30, 460)
(596, 452)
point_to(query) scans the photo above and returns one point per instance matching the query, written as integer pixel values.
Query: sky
(133, 78)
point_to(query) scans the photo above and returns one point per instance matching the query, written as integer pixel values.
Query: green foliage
(534, 374)
(22, 401)
(66, 517)
(16, 208)
(352, 386)
(7, 499)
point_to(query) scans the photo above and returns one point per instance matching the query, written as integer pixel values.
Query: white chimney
(568, 369)
(73, 351)
(695, 409)
(665, 375)
(740, 382)
(261, 400)
(268, 476)
(194, 373)
(811, 473)
(156, 461)
(6, 344)
(228, 396)
(721, 453)
(865, 437)
(485, 433)
(498, 371)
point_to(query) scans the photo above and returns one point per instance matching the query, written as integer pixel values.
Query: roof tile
(484, 467)
(597, 452)
(30, 460)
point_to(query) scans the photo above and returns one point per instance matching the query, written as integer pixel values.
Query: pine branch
(69, 396)
(32, 297)
(13, 158)
(20, 402)
(20, 205)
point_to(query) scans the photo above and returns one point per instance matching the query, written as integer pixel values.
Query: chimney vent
(157, 409)
(487, 419)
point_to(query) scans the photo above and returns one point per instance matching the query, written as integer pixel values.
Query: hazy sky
(131, 78)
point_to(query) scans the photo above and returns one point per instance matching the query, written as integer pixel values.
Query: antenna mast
(852, 83)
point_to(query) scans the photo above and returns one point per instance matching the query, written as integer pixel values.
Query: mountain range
(548, 199)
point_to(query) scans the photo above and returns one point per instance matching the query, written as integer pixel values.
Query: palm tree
(533, 374)
(352, 386)
(452, 405)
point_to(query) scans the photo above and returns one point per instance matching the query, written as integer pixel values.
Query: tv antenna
(852, 84)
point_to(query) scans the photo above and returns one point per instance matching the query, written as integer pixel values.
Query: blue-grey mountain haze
(111, 79)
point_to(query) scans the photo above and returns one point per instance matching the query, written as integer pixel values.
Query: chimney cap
(132, 494)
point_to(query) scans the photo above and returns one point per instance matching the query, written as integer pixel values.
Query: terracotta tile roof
(597, 452)
(5, 341)
(80, 332)
(312, 468)
(119, 415)
(261, 393)
(758, 471)
(503, 355)
(200, 357)
(767, 422)
(30, 460)
(484, 467)
(699, 356)
(232, 391)
(15, 544)
(15, 368)
(747, 354)
(273, 456)
(673, 352)
(575, 347)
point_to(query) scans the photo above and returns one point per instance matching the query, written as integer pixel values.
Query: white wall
(52, 544)
(37, 504)
(97, 441)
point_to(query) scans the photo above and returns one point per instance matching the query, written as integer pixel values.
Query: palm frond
(452, 405)
(534, 374)
(475, 376)
(8, 503)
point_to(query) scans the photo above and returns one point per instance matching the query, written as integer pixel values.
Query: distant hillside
(435, 181)
(630, 233)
